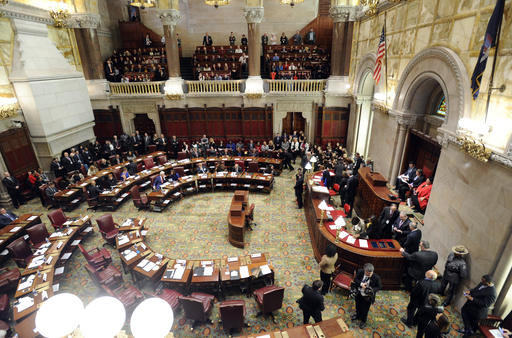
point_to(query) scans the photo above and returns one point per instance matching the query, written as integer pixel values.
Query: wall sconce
(8, 107)
(59, 12)
(470, 138)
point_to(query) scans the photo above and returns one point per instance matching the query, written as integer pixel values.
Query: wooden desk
(388, 262)
(331, 328)
(133, 255)
(236, 218)
(68, 199)
(372, 194)
(132, 236)
(183, 282)
(206, 283)
(17, 228)
(158, 261)
(25, 327)
(245, 284)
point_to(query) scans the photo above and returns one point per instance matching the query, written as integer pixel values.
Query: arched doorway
(364, 115)
(294, 121)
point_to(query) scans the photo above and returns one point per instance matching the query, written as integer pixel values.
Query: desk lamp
(104, 317)
(152, 318)
(59, 315)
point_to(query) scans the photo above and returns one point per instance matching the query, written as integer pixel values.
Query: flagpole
(491, 79)
(386, 56)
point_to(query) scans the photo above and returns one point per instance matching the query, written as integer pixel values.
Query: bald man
(419, 296)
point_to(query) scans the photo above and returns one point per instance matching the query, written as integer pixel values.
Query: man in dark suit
(51, 191)
(56, 167)
(146, 141)
(411, 243)
(175, 146)
(117, 145)
(134, 142)
(413, 184)
(479, 299)
(419, 296)
(387, 218)
(407, 176)
(418, 263)
(236, 169)
(161, 143)
(310, 37)
(299, 187)
(207, 40)
(358, 161)
(350, 191)
(367, 284)
(277, 141)
(6, 217)
(67, 162)
(93, 190)
(13, 189)
(401, 226)
(132, 168)
(312, 302)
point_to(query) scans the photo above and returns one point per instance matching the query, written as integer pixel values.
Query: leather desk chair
(162, 159)
(253, 167)
(96, 257)
(180, 171)
(117, 174)
(169, 295)
(232, 315)
(38, 234)
(182, 155)
(151, 148)
(342, 280)
(198, 307)
(149, 163)
(269, 299)
(108, 228)
(9, 280)
(129, 295)
(108, 276)
(20, 252)
(57, 218)
(93, 203)
(140, 166)
(140, 201)
(4, 307)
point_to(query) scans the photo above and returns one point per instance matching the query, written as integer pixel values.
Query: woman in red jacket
(421, 195)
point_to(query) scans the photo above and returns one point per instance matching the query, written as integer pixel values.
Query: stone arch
(365, 66)
(430, 67)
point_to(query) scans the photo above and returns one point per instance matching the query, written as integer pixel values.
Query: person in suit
(110, 181)
(264, 41)
(173, 176)
(93, 190)
(299, 187)
(310, 37)
(387, 218)
(159, 180)
(237, 169)
(436, 328)
(132, 167)
(117, 145)
(358, 161)
(283, 39)
(478, 301)
(67, 162)
(327, 264)
(56, 167)
(297, 38)
(202, 169)
(312, 302)
(401, 226)
(6, 217)
(419, 296)
(207, 40)
(412, 185)
(411, 243)
(232, 39)
(161, 143)
(367, 284)
(350, 191)
(13, 189)
(51, 191)
(134, 142)
(116, 160)
(175, 147)
(427, 314)
(418, 263)
(407, 176)
(244, 40)
(455, 271)
(421, 195)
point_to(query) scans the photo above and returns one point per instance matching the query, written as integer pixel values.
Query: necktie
(10, 217)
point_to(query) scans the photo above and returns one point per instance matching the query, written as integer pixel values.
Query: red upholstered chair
(180, 171)
(140, 166)
(232, 315)
(57, 218)
(269, 299)
(162, 159)
(96, 257)
(4, 307)
(129, 295)
(342, 280)
(108, 276)
(427, 172)
(182, 155)
(108, 228)
(198, 307)
(241, 164)
(9, 279)
(335, 190)
(494, 322)
(149, 163)
(253, 167)
(38, 234)
(140, 201)
(169, 295)
(117, 174)
(20, 252)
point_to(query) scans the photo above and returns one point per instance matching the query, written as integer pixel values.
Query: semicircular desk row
(353, 253)
(250, 179)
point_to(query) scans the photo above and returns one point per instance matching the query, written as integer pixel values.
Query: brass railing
(214, 86)
(136, 88)
(301, 86)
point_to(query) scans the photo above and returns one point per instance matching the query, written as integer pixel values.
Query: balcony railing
(295, 86)
(136, 88)
(215, 87)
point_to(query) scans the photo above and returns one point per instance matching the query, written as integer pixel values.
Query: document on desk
(27, 282)
(351, 239)
(256, 255)
(363, 243)
(343, 234)
(15, 229)
(181, 261)
(130, 255)
(59, 271)
(24, 303)
(340, 221)
(75, 242)
(55, 287)
(265, 269)
(31, 218)
(178, 272)
(142, 263)
(149, 266)
(66, 256)
(208, 271)
(205, 263)
(232, 259)
(123, 240)
(244, 271)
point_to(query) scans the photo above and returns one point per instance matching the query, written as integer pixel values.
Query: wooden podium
(236, 218)
(372, 194)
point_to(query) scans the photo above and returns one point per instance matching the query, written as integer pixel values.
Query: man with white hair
(419, 296)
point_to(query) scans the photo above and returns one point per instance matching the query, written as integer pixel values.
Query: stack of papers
(178, 272)
(75, 242)
(15, 229)
(60, 270)
(24, 303)
(232, 259)
(40, 251)
(36, 261)
(363, 243)
(123, 240)
(148, 267)
(130, 255)
(256, 255)
(244, 272)
(343, 234)
(265, 269)
(27, 283)
(31, 218)
(142, 263)
(66, 256)
(208, 271)
(351, 239)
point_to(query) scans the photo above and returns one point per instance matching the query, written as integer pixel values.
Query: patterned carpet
(196, 228)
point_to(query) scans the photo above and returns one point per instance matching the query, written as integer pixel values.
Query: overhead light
(291, 2)
(143, 3)
(217, 3)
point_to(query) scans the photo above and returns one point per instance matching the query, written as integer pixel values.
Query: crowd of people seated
(137, 65)
(296, 62)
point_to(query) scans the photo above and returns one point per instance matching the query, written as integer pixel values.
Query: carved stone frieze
(170, 17)
(83, 20)
(343, 13)
(254, 14)
(17, 10)
(403, 118)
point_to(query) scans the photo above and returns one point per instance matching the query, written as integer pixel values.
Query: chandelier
(59, 12)
(142, 3)
(291, 2)
(217, 3)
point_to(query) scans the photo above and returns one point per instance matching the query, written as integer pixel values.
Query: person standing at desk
(419, 296)
(387, 218)
(207, 40)
(159, 180)
(299, 187)
(6, 217)
(312, 302)
(13, 188)
(327, 264)
(368, 284)
(51, 191)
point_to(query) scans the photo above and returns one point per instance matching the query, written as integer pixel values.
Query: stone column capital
(170, 17)
(254, 14)
(404, 119)
(343, 13)
(83, 20)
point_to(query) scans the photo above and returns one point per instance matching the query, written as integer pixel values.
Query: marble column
(174, 85)
(254, 16)
(399, 149)
(89, 49)
(5, 199)
(343, 18)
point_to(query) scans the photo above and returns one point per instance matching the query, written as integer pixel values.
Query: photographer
(364, 288)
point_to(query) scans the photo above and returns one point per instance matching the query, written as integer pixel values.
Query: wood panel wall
(322, 25)
(107, 123)
(17, 151)
(332, 125)
(221, 123)
(423, 150)
(133, 35)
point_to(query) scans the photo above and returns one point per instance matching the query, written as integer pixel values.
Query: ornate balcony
(215, 87)
(294, 86)
(136, 88)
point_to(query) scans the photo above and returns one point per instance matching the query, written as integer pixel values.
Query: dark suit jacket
(132, 168)
(375, 282)
(11, 183)
(404, 227)
(420, 292)
(420, 262)
(386, 220)
(93, 191)
(312, 300)
(5, 220)
(411, 243)
(482, 299)
(417, 180)
(68, 164)
(207, 40)
(350, 191)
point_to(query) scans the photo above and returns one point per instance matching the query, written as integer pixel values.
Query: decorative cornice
(501, 159)
(343, 13)
(254, 14)
(403, 118)
(20, 11)
(381, 106)
(83, 20)
(434, 120)
(170, 17)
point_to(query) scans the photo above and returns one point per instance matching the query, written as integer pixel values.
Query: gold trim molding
(474, 148)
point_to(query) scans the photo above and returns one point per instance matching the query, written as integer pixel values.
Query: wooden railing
(289, 86)
(136, 88)
(214, 86)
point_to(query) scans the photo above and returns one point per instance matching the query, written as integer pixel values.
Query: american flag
(380, 55)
